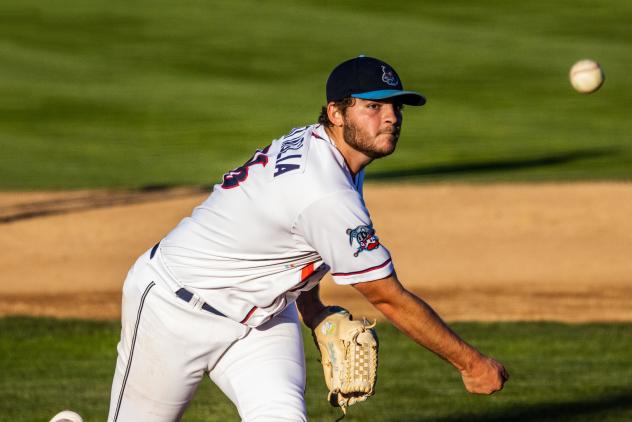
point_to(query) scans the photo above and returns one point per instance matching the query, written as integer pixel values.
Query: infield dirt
(474, 252)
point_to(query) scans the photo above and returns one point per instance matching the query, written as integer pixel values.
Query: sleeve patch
(364, 238)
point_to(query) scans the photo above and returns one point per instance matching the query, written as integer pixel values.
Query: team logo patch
(365, 239)
(388, 76)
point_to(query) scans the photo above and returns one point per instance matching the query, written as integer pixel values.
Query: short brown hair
(341, 105)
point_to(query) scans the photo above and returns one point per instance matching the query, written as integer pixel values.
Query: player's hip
(150, 289)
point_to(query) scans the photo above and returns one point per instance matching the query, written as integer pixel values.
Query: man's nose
(391, 114)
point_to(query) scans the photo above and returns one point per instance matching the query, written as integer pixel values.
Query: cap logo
(388, 76)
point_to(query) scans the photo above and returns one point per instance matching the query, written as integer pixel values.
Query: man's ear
(334, 114)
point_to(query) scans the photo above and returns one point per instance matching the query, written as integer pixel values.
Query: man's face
(372, 127)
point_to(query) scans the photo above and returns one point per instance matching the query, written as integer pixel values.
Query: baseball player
(216, 296)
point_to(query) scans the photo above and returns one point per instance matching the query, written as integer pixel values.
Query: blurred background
(120, 94)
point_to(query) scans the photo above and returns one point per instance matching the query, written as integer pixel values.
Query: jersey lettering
(284, 168)
(233, 178)
(293, 142)
(289, 156)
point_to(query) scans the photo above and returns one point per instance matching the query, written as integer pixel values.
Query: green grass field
(128, 94)
(558, 373)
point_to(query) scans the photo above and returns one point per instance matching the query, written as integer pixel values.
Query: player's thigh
(164, 351)
(264, 373)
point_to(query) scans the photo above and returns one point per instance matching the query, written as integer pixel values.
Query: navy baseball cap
(370, 79)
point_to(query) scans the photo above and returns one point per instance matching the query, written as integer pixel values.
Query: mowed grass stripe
(95, 94)
(558, 372)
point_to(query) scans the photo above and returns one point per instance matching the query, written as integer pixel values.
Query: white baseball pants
(167, 346)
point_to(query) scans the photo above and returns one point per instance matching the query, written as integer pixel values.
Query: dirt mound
(475, 252)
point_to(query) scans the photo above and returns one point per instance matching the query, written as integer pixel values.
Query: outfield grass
(558, 373)
(125, 94)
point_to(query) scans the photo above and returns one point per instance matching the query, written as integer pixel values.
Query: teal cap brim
(406, 97)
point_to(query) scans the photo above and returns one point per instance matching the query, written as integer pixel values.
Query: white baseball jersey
(274, 227)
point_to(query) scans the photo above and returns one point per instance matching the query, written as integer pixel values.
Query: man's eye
(399, 107)
(374, 106)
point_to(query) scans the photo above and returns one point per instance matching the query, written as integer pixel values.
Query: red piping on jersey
(252, 311)
(377, 267)
(315, 135)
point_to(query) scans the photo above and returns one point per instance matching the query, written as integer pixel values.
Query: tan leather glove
(348, 352)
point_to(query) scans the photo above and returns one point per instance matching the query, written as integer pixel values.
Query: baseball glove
(348, 350)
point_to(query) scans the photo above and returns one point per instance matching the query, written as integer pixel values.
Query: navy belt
(153, 250)
(184, 294)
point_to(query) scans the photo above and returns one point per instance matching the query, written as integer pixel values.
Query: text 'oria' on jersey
(286, 159)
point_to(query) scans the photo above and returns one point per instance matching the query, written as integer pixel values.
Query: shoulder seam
(298, 214)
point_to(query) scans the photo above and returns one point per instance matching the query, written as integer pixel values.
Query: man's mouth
(394, 132)
(391, 131)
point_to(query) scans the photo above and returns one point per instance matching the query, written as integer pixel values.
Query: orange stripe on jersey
(307, 271)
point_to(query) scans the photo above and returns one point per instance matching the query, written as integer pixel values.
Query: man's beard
(359, 141)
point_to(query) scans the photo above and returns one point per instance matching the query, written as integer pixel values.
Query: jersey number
(233, 178)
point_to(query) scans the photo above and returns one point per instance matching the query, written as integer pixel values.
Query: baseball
(586, 76)
(67, 416)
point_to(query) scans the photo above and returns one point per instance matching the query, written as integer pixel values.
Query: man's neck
(355, 159)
